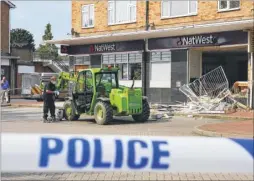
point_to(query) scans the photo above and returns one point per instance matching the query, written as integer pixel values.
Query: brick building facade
(170, 43)
(8, 62)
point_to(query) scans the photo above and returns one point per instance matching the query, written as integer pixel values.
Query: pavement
(27, 120)
(235, 129)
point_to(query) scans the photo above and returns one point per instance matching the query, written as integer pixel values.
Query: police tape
(79, 153)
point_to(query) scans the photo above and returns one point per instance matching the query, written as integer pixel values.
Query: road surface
(27, 120)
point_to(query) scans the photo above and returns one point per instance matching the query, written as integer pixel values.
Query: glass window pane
(85, 19)
(193, 6)
(85, 9)
(121, 58)
(132, 13)
(165, 8)
(123, 71)
(223, 4)
(234, 4)
(79, 60)
(91, 15)
(156, 56)
(111, 12)
(122, 14)
(166, 56)
(179, 8)
(135, 71)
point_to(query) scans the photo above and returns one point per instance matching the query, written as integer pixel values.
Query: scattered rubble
(210, 94)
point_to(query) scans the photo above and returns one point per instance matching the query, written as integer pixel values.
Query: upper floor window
(228, 4)
(120, 12)
(179, 8)
(88, 16)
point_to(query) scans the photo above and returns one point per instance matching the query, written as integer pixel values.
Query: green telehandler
(97, 93)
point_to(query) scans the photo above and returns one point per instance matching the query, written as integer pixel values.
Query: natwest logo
(64, 49)
(196, 40)
(103, 48)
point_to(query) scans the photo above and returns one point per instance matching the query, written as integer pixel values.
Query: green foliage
(47, 33)
(48, 51)
(21, 38)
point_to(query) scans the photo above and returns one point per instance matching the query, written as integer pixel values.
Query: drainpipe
(145, 54)
(147, 15)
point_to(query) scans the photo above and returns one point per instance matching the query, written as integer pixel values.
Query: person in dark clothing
(49, 99)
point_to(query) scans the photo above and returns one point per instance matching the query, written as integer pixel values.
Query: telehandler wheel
(103, 113)
(144, 116)
(68, 112)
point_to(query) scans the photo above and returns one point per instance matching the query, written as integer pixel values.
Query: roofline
(9, 3)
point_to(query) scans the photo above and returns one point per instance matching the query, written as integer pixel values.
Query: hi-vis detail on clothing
(79, 153)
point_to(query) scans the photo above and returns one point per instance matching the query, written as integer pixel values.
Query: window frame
(82, 16)
(114, 13)
(178, 16)
(228, 8)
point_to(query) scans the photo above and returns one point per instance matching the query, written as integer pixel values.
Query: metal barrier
(209, 90)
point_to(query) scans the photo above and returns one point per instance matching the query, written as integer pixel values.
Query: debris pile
(210, 94)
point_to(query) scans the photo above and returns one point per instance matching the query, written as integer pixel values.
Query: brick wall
(207, 12)
(101, 18)
(4, 27)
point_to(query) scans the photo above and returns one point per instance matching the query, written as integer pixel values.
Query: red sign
(64, 49)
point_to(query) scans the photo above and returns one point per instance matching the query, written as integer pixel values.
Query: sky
(34, 15)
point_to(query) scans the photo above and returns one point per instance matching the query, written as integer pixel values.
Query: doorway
(234, 63)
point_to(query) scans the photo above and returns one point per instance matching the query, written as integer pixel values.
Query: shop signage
(210, 39)
(137, 45)
(197, 40)
(64, 49)
(103, 48)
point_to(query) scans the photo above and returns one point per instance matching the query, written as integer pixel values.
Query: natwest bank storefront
(182, 59)
(127, 55)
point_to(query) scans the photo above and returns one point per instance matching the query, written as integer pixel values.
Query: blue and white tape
(79, 153)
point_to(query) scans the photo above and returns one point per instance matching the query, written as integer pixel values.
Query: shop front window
(135, 71)
(129, 65)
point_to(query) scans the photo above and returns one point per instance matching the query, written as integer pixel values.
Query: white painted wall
(5, 62)
(195, 63)
(26, 69)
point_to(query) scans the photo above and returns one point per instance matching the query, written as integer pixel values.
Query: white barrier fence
(82, 153)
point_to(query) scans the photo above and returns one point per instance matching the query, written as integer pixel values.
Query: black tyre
(144, 116)
(69, 113)
(103, 113)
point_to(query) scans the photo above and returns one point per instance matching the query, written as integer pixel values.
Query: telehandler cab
(97, 92)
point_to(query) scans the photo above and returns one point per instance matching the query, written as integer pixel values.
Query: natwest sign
(197, 40)
(202, 40)
(124, 46)
(102, 48)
